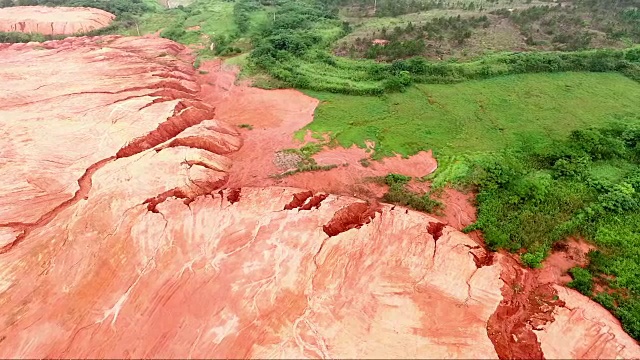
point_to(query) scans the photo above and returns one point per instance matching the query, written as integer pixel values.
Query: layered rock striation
(119, 238)
(53, 20)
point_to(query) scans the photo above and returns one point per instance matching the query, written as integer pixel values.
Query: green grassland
(477, 116)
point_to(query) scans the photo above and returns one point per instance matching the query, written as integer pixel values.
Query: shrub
(533, 259)
(582, 280)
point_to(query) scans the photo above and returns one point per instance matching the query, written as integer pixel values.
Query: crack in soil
(353, 216)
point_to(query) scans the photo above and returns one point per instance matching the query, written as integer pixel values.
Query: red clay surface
(275, 116)
(53, 20)
(564, 256)
(142, 253)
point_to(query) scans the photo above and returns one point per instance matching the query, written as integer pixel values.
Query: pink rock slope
(119, 239)
(53, 20)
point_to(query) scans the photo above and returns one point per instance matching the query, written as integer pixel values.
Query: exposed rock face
(53, 20)
(118, 238)
(584, 330)
(94, 100)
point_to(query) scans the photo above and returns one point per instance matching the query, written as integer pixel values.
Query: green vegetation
(587, 185)
(293, 48)
(564, 25)
(576, 27)
(582, 280)
(410, 40)
(399, 194)
(540, 150)
(305, 161)
(476, 116)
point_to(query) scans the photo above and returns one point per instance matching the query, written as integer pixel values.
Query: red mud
(418, 165)
(527, 305)
(275, 116)
(84, 184)
(459, 211)
(530, 299)
(564, 256)
(350, 217)
(305, 201)
(435, 229)
(350, 177)
(234, 195)
(298, 200)
(314, 202)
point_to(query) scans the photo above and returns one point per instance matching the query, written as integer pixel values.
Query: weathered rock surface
(53, 20)
(118, 238)
(584, 330)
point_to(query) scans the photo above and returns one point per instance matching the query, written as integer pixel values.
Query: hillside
(482, 155)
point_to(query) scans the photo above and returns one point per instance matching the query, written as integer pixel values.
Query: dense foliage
(407, 41)
(587, 185)
(293, 48)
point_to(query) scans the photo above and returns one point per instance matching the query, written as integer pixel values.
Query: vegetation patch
(304, 161)
(532, 198)
(399, 194)
(476, 116)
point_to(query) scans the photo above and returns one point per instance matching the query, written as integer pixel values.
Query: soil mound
(122, 236)
(53, 20)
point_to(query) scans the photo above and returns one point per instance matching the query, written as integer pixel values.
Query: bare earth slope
(53, 20)
(119, 239)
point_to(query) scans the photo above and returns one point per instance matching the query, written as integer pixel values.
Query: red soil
(352, 216)
(564, 256)
(526, 306)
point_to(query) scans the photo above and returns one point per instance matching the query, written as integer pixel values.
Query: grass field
(478, 116)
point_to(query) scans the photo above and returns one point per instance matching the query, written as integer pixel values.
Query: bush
(582, 280)
(396, 179)
(399, 194)
(534, 259)
(629, 314)
(175, 32)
